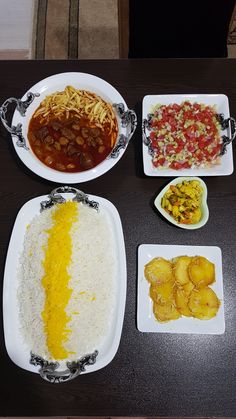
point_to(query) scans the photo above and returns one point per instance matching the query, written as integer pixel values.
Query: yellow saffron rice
(56, 279)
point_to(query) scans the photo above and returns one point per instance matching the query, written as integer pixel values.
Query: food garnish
(183, 202)
(73, 130)
(182, 291)
(185, 136)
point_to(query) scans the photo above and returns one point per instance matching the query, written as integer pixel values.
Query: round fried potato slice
(181, 301)
(158, 271)
(162, 293)
(204, 303)
(165, 312)
(188, 288)
(201, 271)
(180, 269)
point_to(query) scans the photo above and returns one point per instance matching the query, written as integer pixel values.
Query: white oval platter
(17, 349)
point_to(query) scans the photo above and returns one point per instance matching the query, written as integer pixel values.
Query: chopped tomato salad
(185, 136)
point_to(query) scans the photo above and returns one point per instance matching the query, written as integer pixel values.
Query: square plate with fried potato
(180, 289)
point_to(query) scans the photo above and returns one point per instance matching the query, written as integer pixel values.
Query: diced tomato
(191, 148)
(202, 138)
(176, 107)
(170, 149)
(175, 165)
(152, 135)
(202, 142)
(159, 162)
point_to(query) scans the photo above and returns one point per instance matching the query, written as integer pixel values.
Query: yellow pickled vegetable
(183, 202)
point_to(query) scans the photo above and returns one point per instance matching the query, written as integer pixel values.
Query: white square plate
(222, 105)
(146, 321)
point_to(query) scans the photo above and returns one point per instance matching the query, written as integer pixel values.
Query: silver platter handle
(129, 121)
(146, 139)
(227, 123)
(48, 369)
(56, 198)
(21, 106)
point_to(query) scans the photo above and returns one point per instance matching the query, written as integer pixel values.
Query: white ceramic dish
(146, 320)
(204, 206)
(17, 349)
(222, 104)
(126, 122)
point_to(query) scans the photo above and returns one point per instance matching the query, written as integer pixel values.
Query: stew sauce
(70, 144)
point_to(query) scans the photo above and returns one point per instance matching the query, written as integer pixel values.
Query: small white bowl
(204, 207)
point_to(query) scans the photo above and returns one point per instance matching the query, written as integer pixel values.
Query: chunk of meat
(66, 132)
(76, 127)
(91, 142)
(79, 140)
(95, 132)
(86, 160)
(101, 149)
(48, 147)
(48, 139)
(42, 133)
(72, 150)
(63, 140)
(56, 125)
(85, 132)
(57, 146)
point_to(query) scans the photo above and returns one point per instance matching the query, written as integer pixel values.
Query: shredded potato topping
(82, 103)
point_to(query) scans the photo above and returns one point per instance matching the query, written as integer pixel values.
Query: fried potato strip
(83, 104)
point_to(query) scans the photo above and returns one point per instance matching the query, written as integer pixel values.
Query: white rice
(92, 273)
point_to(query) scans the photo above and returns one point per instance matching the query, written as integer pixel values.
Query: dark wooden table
(152, 374)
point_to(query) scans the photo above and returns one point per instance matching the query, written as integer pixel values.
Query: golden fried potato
(158, 271)
(181, 301)
(165, 312)
(162, 293)
(201, 271)
(188, 288)
(180, 288)
(180, 269)
(204, 303)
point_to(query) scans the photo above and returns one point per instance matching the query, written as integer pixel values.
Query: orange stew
(70, 144)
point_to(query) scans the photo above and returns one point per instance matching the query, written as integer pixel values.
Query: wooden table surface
(152, 374)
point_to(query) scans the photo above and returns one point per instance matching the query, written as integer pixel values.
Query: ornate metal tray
(26, 106)
(17, 349)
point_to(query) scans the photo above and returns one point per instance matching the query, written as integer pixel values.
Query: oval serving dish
(19, 350)
(27, 105)
(204, 206)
